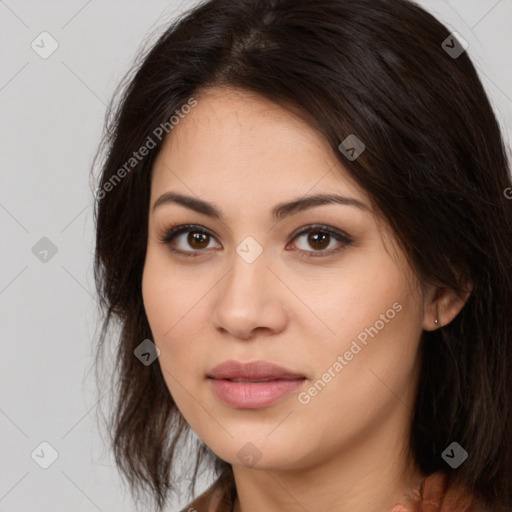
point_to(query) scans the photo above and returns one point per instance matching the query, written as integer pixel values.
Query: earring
(436, 321)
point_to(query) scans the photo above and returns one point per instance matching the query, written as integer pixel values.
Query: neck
(373, 474)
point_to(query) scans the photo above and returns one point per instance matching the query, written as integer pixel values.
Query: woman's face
(346, 320)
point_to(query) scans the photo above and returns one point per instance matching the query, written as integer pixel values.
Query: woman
(303, 231)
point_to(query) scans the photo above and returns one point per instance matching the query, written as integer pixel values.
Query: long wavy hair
(435, 166)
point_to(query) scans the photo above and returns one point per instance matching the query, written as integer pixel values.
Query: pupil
(194, 239)
(313, 238)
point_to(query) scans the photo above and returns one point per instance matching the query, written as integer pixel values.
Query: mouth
(256, 381)
(252, 385)
(253, 371)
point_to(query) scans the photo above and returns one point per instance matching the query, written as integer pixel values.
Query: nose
(250, 300)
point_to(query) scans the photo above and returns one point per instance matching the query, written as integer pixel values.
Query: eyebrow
(279, 211)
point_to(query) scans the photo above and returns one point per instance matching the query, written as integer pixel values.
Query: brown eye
(193, 244)
(198, 239)
(319, 238)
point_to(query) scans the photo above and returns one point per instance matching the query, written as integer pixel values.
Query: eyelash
(174, 230)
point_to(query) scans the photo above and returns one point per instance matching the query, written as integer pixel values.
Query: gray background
(52, 116)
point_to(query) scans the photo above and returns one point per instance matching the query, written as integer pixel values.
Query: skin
(346, 449)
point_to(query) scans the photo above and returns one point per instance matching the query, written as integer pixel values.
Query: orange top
(433, 495)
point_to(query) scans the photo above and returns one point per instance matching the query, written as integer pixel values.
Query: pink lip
(247, 393)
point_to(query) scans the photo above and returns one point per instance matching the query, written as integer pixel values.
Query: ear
(443, 304)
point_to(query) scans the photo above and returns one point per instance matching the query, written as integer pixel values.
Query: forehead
(241, 144)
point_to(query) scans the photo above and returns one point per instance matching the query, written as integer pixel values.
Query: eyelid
(171, 232)
(339, 235)
(174, 230)
(324, 228)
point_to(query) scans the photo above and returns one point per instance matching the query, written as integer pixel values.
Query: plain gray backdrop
(52, 112)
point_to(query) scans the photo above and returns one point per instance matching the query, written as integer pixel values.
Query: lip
(253, 370)
(246, 392)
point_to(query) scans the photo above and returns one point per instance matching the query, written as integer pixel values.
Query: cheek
(356, 298)
(375, 323)
(174, 307)
(366, 371)
(157, 296)
(167, 294)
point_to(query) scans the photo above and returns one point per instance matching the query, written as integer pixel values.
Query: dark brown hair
(435, 167)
